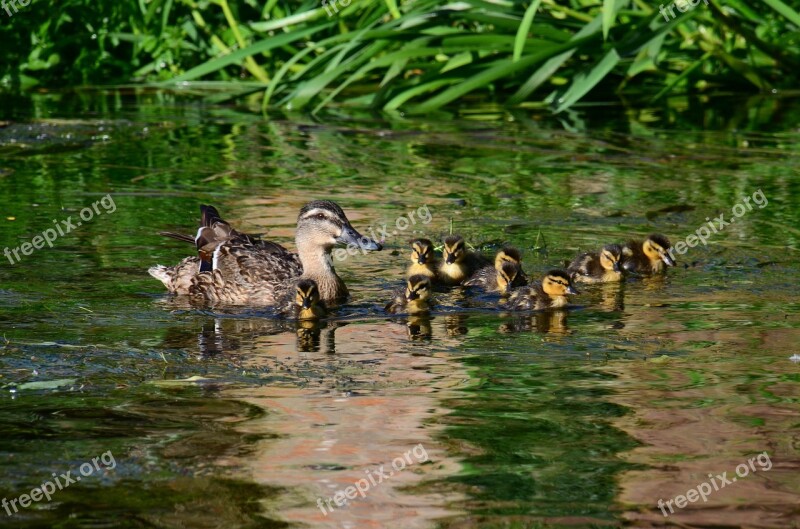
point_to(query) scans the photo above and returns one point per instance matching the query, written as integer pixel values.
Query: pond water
(227, 417)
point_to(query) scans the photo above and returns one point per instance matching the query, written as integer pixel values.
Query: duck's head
(611, 257)
(323, 224)
(454, 249)
(307, 297)
(506, 275)
(421, 251)
(507, 255)
(418, 287)
(558, 283)
(656, 247)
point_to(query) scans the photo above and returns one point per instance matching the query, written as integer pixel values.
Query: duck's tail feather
(178, 236)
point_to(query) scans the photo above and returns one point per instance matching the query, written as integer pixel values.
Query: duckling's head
(418, 287)
(507, 255)
(656, 247)
(323, 224)
(558, 283)
(506, 275)
(307, 297)
(421, 251)
(611, 257)
(454, 249)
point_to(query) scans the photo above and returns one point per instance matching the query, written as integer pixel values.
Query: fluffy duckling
(458, 263)
(604, 266)
(552, 292)
(414, 298)
(423, 260)
(503, 276)
(652, 256)
(307, 303)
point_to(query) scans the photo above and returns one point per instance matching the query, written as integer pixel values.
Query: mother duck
(237, 268)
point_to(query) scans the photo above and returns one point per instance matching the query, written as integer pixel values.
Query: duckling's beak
(412, 296)
(351, 236)
(616, 267)
(306, 303)
(450, 258)
(572, 290)
(667, 258)
(421, 260)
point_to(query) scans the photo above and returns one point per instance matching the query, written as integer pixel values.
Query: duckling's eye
(320, 216)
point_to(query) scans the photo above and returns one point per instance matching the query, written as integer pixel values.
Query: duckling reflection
(546, 322)
(418, 327)
(456, 324)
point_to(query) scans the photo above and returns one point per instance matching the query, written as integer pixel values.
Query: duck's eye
(320, 216)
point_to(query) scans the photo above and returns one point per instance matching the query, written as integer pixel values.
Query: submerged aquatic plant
(411, 55)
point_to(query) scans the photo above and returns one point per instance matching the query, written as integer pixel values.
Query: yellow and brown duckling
(307, 303)
(423, 259)
(604, 266)
(458, 263)
(651, 256)
(415, 298)
(550, 293)
(503, 276)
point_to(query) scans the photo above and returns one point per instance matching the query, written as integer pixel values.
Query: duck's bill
(350, 236)
(572, 290)
(667, 258)
(617, 267)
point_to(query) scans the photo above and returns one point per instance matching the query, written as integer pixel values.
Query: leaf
(524, 27)
(259, 47)
(784, 10)
(583, 82)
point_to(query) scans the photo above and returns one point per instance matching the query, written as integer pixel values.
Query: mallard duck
(306, 303)
(414, 298)
(458, 263)
(423, 260)
(503, 276)
(598, 267)
(651, 256)
(552, 293)
(237, 268)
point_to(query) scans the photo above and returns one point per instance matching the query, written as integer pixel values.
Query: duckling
(236, 268)
(552, 292)
(414, 298)
(423, 260)
(598, 267)
(503, 276)
(306, 303)
(458, 263)
(652, 256)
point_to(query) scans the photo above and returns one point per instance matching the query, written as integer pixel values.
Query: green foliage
(414, 55)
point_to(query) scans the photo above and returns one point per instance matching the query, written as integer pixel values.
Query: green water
(225, 417)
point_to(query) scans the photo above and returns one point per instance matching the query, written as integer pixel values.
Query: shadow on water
(228, 417)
